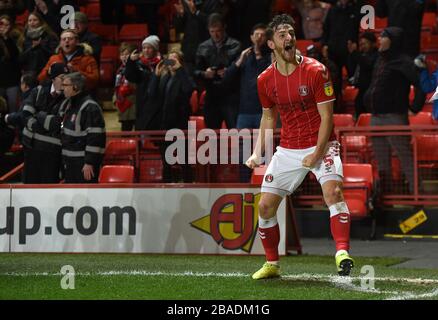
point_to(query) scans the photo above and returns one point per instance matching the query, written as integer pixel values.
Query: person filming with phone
(169, 92)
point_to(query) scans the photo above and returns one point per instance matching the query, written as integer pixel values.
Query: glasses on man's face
(67, 84)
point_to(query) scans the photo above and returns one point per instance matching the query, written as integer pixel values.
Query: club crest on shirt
(303, 90)
(328, 89)
(269, 178)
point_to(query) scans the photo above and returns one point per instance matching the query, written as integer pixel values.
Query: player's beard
(287, 53)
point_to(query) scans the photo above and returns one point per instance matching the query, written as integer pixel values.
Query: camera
(169, 62)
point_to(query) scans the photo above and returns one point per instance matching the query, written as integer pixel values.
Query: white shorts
(285, 172)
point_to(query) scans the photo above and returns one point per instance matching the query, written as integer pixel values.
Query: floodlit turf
(126, 276)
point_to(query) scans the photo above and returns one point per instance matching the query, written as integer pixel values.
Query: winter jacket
(34, 59)
(10, 72)
(140, 73)
(170, 99)
(82, 61)
(393, 75)
(248, 72)
(209, 55)
(82, 129)
(41, 107)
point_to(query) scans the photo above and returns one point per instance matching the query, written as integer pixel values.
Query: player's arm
(268, 122)
(326, 113)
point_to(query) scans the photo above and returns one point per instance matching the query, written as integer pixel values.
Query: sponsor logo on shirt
(328, 89)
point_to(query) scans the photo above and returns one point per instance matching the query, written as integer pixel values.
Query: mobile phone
(168, 62)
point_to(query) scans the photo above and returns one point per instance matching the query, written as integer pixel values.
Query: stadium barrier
(133, 218)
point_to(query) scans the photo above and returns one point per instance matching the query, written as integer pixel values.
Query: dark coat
(170, 99)
(34, 59)
(140, 74)
(393, 75)
(10, 70)
(94, 41)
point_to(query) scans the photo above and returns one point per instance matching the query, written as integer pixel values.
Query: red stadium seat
(21, 20)
(133, 33)
(116, 174)
(107, 74)
(121, 151)
(343, 120)
(92, 10)
(110, 53)
(380, 23)
(194, 102)
(202, 99)
(421, 118)
(109, 33)
(429, 21)
(151, 170)
(349, 96)
(358, 188)
(364, 120)
(200, 122)
(427, 151)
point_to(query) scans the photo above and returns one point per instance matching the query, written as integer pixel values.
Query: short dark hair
(258, 26)
(277, 21)
(29, 79)
(215, 19)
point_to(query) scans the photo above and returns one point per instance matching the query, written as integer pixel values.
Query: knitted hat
(153, 41)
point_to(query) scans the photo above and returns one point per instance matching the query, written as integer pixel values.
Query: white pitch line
(302, 276)
(413, 296)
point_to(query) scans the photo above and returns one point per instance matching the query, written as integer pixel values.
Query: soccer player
(300, 89)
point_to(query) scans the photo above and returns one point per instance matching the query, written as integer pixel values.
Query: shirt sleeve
(323, 86)
(265, 101)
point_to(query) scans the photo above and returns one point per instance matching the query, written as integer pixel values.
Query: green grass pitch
(200, 277)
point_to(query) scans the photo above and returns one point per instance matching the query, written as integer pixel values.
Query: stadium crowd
(49, 79)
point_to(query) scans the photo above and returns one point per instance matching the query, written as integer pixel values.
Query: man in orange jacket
(77, 56)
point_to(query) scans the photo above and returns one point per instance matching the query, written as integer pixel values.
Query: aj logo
(232, 221)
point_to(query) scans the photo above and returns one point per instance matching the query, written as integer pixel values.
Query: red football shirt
(296, 97)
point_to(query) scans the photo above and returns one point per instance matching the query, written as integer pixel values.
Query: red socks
(269, 233)
(340, 225)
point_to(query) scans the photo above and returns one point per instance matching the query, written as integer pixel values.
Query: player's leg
(282, 176)
(339, 221)
(269, 233)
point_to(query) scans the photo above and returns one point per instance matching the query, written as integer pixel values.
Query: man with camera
(212, 58)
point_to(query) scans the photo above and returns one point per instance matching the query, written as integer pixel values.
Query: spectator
(191, 19)
(362, 61)
(428, 82)
(50, 10)
(313, 14)
(11, 8)
(388, 99)
(7, 132)
(251, 63)
(341, 25)
(407, 15)
(124, 92)
(39, 44)
(85, 36)
(41, 139)
(314, 51)
(78, 58)
(139, 70)
(10, 40)
(212, 58)
(82, 132)
(170, 90)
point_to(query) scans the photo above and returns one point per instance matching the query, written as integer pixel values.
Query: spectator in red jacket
(78, 58)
